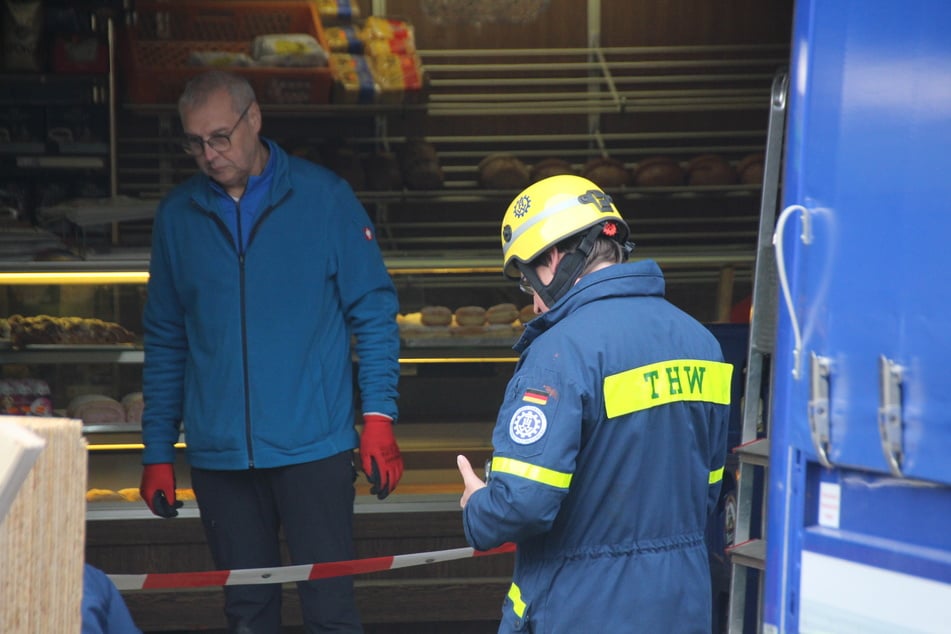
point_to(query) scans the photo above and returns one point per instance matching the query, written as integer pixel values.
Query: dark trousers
(243, 513)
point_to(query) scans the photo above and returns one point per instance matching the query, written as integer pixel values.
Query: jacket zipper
(240, 250)
(244, 341)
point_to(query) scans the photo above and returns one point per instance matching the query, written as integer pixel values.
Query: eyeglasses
(525, 286)
(194, 145)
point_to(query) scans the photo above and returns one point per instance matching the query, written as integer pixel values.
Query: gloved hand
(158, 489)
(380, 455)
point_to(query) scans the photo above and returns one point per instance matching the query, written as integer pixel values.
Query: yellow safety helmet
(547, 212)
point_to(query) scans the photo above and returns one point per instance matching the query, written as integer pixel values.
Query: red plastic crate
(156, 47)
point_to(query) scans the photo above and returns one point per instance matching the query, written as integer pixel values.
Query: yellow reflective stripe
(518, 606)
(715, 476)
(667, 382)
(530, 472)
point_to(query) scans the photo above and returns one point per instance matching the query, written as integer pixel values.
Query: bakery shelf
(55, 354)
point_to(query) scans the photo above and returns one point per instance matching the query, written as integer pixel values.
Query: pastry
(44, 329)
(185, 495)
(658, 171)
(102, 495)
(130, 494)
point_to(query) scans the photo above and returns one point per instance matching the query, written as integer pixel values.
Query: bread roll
(501, 314)
(658, 171)
(503, 171)
(526, 314)
(435, 316)
(710, 169)
(548, 167)
(469, 316)
(750, 169)
(606, 172)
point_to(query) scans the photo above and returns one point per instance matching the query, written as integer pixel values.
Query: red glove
(380, 455)
(158, 489)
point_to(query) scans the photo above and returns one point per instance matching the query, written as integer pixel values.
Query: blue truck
(858, 518)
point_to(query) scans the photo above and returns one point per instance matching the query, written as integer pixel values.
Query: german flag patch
(538, 397)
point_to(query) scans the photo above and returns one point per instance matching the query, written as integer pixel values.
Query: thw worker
(610, 445)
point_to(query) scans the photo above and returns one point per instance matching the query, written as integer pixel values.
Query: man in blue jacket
(263, 268)
(610, 444)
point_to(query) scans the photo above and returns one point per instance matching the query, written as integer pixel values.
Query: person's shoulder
(179, 196)
(299, 165)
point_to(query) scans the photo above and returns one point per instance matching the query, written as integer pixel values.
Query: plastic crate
(157, 45)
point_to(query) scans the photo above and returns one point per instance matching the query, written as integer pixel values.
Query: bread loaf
(606, 172)
(503, 171)
(435, 316)
(134, 405)
(658, 171)
(501, 314)
(95, 409)
(710, 169)
(548, 167)
(469, 316)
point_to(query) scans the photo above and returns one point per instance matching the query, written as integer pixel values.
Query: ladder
(748, 552)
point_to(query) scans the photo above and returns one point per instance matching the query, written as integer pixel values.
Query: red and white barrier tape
(302, 572)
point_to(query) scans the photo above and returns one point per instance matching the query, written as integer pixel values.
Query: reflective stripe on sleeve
(667, 382)
(518, 606)
(715, 476)
(531, 472)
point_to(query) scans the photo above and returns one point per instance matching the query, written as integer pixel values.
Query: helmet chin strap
(569, 268)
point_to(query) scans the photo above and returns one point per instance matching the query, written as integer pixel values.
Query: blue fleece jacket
(252, 351)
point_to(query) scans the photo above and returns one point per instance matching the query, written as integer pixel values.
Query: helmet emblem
(598, 197)
(522, 205)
